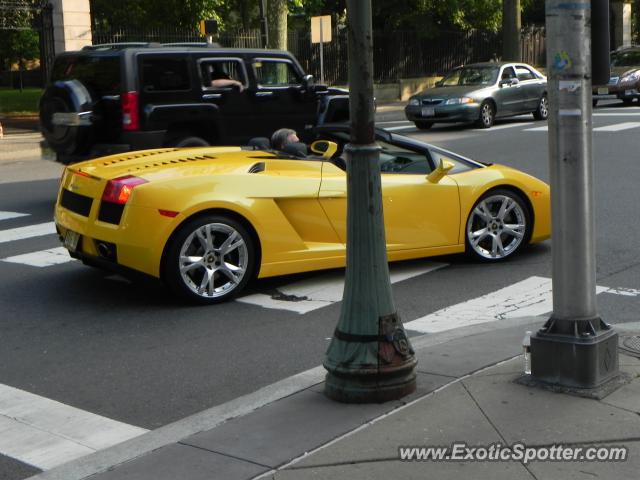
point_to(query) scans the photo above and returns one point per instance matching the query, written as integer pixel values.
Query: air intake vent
(76, 203)
(257, 167)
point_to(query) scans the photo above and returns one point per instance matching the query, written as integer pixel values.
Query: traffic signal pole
(369, 358)
(575, 348)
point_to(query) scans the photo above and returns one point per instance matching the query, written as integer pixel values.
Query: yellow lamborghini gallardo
(208, 220)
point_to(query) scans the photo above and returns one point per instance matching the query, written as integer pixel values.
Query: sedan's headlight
(458, 101)
(631, 77)
(414, 101)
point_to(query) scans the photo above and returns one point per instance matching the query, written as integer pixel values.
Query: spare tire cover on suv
(68, 96)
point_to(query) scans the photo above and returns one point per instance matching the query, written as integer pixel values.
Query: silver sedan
(480, 93)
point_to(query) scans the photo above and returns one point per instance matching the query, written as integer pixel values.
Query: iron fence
(398, 54)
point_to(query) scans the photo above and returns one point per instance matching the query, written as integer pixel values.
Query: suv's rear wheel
(64, 133)
(189, 141)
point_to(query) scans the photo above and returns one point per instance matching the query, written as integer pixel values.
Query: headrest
(297, 149)
(260, 143)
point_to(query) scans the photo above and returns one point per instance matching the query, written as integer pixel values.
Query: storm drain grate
(631, 345)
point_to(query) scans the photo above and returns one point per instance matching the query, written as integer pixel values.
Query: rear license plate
(603, 91)
(428, 111)
(71, 239)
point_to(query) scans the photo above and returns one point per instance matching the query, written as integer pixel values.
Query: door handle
(264, 94)
(211, 96)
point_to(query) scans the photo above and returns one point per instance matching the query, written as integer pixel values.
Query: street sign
(321, 33)
(321, 29)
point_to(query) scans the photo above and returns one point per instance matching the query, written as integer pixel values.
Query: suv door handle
(211, 96)
(264, 94)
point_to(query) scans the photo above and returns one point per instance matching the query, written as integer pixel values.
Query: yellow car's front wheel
(499, 225)
(210, 259)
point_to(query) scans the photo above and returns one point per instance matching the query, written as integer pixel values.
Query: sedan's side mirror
(441, 171)
(325, 148)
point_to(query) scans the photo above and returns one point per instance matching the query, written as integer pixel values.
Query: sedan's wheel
(423, 125)
(487, 115)
(542, 112)
(498, 226)
(210, 259)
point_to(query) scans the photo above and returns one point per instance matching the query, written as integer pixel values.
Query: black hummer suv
(120, 97)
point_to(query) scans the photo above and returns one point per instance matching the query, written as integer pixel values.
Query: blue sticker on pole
(562, 61)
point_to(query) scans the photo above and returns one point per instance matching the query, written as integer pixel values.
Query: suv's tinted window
(163, 74)
(226, 68)
(99, 74)
(274, 73)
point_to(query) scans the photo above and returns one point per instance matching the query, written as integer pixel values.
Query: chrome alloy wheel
(496, 226)
(213, 260)
(543, 108)
(486, 115)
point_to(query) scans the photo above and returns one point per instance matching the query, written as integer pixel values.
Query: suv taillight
(130, 117)
(119, 190)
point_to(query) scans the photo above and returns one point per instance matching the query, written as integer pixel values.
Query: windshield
(471, 76)
(626, 59)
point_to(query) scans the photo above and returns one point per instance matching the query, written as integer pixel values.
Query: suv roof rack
(119, 46)
(192, 44)
(122, 45)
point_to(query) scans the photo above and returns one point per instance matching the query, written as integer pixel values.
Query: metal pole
(575, 348)
(369, 358)
(264, 31)
(321, 54)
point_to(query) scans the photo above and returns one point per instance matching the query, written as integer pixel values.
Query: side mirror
(325, 148)
(441, 171)
(308, 82)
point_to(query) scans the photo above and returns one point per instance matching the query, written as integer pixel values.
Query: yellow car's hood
(164, 163)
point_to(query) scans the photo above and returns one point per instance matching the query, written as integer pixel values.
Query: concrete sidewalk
(465, 394)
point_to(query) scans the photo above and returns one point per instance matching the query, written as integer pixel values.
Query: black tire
(423, 125)
(487, 115)
(627, 101)
(189, 141)
(542, 112)
(213, 263)
(69, 96)
(594, 102)
(481, 232)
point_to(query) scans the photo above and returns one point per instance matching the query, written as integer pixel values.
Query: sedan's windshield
(471, 76)
(626, 59)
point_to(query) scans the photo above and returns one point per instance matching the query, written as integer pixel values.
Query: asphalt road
(132, 353)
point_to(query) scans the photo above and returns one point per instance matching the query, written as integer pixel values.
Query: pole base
(578, 360)
(369, 388)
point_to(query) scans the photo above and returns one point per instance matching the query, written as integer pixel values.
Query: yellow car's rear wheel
(498, 225)
(210, 259)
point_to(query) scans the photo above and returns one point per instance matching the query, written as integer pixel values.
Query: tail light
(130, 116)
(119, 190)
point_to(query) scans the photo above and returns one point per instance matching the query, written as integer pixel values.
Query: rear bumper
(138, 241)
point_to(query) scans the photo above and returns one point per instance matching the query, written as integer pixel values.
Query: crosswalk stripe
(404, 127)
(502, 127)
(10, 215)
(326, 289)
(530, 297)
(537, 129)
(21, 233)
(616, 114)
(618, 127)
(45, 433)
(42, 258)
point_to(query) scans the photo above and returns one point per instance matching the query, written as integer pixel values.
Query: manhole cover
(631, 345)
